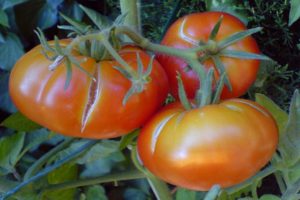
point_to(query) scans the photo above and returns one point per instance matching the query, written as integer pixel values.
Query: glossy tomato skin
(220, 144)
(187, 31)
(86, 109)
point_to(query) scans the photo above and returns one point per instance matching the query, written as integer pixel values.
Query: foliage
(105, 170)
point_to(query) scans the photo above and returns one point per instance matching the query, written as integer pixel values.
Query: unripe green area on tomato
(223, 144)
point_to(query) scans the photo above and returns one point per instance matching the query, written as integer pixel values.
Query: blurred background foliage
(277, 79)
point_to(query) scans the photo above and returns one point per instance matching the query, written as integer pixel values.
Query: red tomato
(86, 108)
(221, 144)
(187, 31)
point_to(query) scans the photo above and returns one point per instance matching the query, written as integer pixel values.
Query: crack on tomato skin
(157, 132)
(93, 95)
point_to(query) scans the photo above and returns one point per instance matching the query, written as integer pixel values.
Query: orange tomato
(221, 144)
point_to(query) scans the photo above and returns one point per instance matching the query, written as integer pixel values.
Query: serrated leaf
(19, 122)
(99, 20)
(10, 148)
(66, 172)
(294, 11)
(10, 3)
(48, 14)
(289, 143)
(280, 116)
(96, 192)
(3, 18)
(10, 51)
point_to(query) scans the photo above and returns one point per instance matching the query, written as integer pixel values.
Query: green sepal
(128, 139)
(222, 70)
(99, 20)
(77, 26)
(206, 96)
(77, 64)
(45, 44)
(150, 67)
(123, 72)
(237, 37)
(243, 55)
(57, 46)
(216, 29)
(69, 73)
(182, 94)
(219, 88)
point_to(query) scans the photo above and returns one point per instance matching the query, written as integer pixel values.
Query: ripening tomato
(188, 31)
(87, 108)
(221, 144)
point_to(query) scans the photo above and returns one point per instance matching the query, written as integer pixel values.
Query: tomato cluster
(223, 143)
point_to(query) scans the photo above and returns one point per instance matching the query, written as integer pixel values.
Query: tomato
(221, 144)
(188, 31)
(87, 108)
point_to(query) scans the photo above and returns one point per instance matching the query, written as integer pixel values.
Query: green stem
(42, 160)
(260, 175)
(145, 43)
(48, 169)
(160, 188)
(118, 176)
(131, 10)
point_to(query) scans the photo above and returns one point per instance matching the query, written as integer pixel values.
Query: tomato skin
(86, 108)
(187, 31)
(221, 144)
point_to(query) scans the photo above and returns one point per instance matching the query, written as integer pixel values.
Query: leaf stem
(117, 176)
(48, 169)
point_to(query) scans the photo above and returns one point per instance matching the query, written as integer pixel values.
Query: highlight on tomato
(222, 144)
(194, 30)
(90, 107)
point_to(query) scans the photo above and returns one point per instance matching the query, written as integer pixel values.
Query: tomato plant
(221, 144)
(87, 108)
(193, 30)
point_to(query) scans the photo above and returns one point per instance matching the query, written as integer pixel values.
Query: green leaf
(10, 51)
(48, 14)
(6, 103)
(294, 11)
(269, 197)
(10, 3)
(66, 172)
(99, 20)
(96, 192)
(3, 18)
(101, 159)
(35, 138)
(280, 116)
(289, 143)
(183, 194)
(19, 122)
(10, 148)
